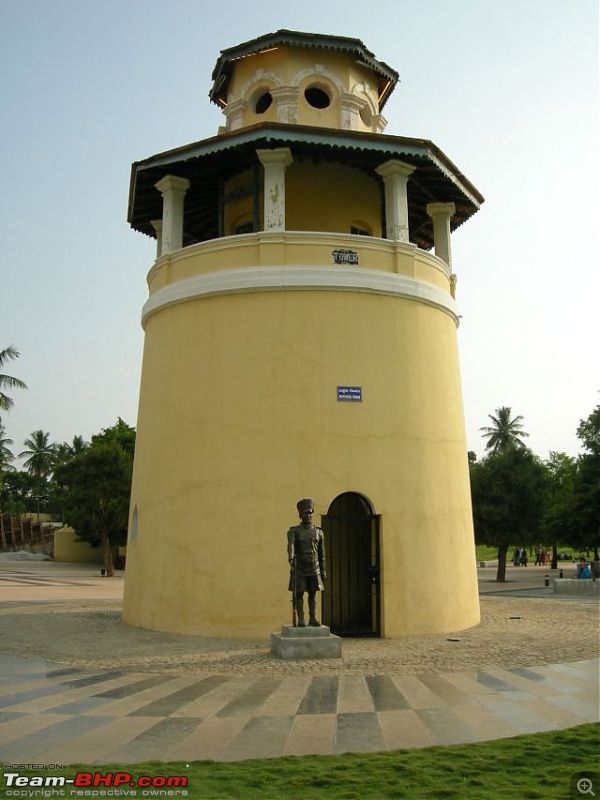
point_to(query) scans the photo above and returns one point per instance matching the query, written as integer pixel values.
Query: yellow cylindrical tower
(300, 340)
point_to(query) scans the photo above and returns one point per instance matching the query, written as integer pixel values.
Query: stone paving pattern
(91, 714)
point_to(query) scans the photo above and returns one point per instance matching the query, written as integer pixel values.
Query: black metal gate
(351, 601)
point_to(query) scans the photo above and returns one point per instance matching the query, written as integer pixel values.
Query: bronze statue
(306, 554)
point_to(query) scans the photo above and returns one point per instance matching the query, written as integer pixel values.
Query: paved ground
(78, 686)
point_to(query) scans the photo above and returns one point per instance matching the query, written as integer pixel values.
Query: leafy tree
(507, 490)
(6, 382)
(589, 432)
(586, 522)
(17, 492)
(505, 432)
(97, 484)
(121, 433)
(559, 510)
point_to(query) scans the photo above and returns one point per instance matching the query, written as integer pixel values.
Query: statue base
(306, 643)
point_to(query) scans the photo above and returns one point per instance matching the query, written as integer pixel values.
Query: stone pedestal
(310, 642)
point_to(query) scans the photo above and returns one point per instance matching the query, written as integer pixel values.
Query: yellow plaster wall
(238, 419)
(317, 198)
(68, 550)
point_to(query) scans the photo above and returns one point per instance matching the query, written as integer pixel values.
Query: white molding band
(274, 279)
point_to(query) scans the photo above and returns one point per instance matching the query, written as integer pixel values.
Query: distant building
(300, 340)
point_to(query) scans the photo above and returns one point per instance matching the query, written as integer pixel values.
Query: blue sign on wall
(349, 394)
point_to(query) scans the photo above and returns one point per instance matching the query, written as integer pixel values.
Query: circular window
(317, 97)
(263, 103)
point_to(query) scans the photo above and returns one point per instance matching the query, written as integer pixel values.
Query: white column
(173, 190)
(275, 163)
(441, 214)
(350, 106)
(395, 176)
(157, 225)
(234, 113)
(286, 99)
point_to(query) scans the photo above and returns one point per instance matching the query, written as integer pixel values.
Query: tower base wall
(239, 417)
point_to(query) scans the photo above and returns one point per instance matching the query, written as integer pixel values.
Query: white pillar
(173, 190)
(441, 214)
(234, 113)
(286, 99)
(275, 163)
(395, 176)
(157, 225)
(350, 106)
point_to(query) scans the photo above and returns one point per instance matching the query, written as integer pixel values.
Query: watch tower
(300, 340)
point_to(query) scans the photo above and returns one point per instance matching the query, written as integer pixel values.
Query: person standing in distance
(306, 554)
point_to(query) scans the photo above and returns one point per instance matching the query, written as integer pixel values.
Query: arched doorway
(351, 602)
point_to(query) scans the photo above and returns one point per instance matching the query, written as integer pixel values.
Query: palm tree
(65, 451)
(41, 455)
(5, 380)
(505, 433)
(6, 454)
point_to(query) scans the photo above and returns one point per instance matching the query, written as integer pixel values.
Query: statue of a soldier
(306, 554)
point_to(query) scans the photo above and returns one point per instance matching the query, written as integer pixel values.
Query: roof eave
(357, 140)
(223, 67)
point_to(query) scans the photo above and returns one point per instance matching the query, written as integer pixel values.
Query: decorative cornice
(299, 278)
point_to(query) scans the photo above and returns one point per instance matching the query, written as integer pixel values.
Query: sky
(507, 90)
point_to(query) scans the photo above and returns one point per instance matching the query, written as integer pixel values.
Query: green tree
(121, 433)
(559, 510)
(585, 530)
(96, 485)
(6, 381)
(507, 489)
(40, 460)
(6, 454)
(40, 456)
(65, 451)
(588, 432)
(17, 492)
(505, 432)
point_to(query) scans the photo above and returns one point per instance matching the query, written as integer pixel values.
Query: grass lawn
(543, 765)
(486, 553)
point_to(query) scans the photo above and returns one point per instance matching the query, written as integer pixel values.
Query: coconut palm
(65, 451)
(6, 382)
(6, 454)
(41, 455)
(505, 432)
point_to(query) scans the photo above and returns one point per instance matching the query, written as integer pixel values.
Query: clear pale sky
(508, 90)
